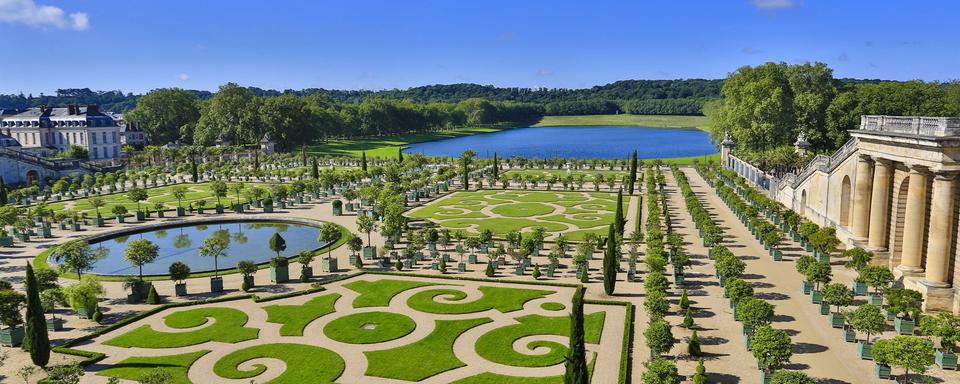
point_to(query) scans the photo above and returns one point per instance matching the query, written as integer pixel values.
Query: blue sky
(136, 46)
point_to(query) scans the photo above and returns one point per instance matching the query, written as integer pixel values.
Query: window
(93, 138)
(104, 134)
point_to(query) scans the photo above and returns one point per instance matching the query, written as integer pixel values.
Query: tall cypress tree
(575, 362)
(400, 154)
(466, 173)
(3, 192)
(610, 256)
(303, 155)
(633, 172)
(496, 167)
(618, 219)
(193, 171)
(363, 161)
(315, 169)
(38, 342)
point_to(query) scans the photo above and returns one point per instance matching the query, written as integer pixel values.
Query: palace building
(892, 189)
(46, 128)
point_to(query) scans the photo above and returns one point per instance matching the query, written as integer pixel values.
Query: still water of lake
(248, 241)
(603, 142)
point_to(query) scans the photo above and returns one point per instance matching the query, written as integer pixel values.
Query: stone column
(877, 237)
(861, 198)
(913, 221)
(941, 228)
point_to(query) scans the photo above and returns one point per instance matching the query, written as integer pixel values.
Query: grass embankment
(387, 147)
(653, 121)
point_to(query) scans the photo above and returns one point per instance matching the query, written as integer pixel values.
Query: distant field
(387, 146)
(655, 121)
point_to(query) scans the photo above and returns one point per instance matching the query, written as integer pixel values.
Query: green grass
(228, 327)
(387, 147)
(502, 299)
(653, 121)
(588, 175)
(589, 212)
(304, 363)
(378, 293)
(552, 306)
(163, 195)
(428, 357)
(389, 326)
(497, 345)
(496, 378)
(296, 317)
(133, 368)
(689, 160)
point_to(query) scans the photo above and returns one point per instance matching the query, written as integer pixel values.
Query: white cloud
(545, 72)
(41, 16)
(775, 4)
(183, 77)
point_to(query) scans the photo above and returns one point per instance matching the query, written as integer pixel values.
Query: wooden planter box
(849, 335)
(472, 259)
(461, 267)
(407, 263)
(140, 215)
(904, 327)
(249, 281)
(874, 299)
(306, 273)
(54, 324)
(824, 308)
(882, 371)
(219, 208)
(946, 360)
(12, 337)
(98, 222)
(864, 350)
(280, 274)
(328, 265)
(180, 289)
(216, 284)
(181, 212)
(816, 297)
(859, 289)
(835, 320)
(369, 252)
(161, 214)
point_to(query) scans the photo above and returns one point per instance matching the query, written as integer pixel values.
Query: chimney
(93, 109)
(72, 109)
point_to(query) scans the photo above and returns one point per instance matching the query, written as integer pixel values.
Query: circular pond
(248, 241)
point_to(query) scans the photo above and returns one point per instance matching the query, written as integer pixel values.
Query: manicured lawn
(588, 176)
(502, 299)
(296, 317)
(584, 212)
(428, 357)
(369, 327)
(653, 121)
(304, 363)
(378, 293)
(387, 147)
(133, 368)
(496, 378)
(497, 345)
(552, 306)
(228, 327)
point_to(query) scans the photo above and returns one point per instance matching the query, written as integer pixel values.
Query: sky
(136, 46)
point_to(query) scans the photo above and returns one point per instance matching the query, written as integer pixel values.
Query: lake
(594, 142)
(248, 241)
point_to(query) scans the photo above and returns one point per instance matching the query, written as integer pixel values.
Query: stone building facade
(892, 188)
(59, 128)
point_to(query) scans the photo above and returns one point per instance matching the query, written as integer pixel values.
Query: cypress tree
(610, 263)
(693, 347)
(496, 167)
(633, 171)
(575, 362)
(3, 192)
(315, 170)
(193, 171)
(363, 161)
(303, 155)
(619, 220)
(400, 154)
(466, 174)
(38, 342)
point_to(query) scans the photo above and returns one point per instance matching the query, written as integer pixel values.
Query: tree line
(241, 117)
(765, 108)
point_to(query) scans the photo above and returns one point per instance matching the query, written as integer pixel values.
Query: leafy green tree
(232, 112)
(878, 277)
(137, 195)
(278, 243)
(165, 113)
(818, 273)
(660, 371)
(78, 256)
(659, 338)
(329, 234)
(738, 289)
(904, 301)
(141, 252)
(219, 190)
(944, 326)
(65, 374)
(656, 305)
(857, 258)
(771, 347)
(693, 346)
(216, 246)
(700, 374)
(911, 353)
(867, 318)
(837, 294)
(754, 312)
(791, 377)
(684, 301)
(575, 362)
(37, 340)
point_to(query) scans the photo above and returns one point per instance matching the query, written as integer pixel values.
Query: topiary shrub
(152, 296)
(693, 347)
(97, 316)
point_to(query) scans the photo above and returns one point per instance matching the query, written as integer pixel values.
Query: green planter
(238, 208)
(946, 360)
(369, 252)
(777, 255)
(140, 215)
(306, 273)
(268, 208)
(121, 219)
(180, 289)
(98, 221)
(55, 324)
(859, 289)
(472, 258)
(216, 284)
(6, 241)
(328, 265)
(849, 335)
(824, 308)
(822, 257)
(882, 371)
(864, 350)
(181, 211)
(161, 214)
(874, 299)
(835, 320)
(807, 287)
(219, 208)
(904, 327)
(12, 337)
(337, 211)
(280, 273)
(816, 297)
(765, 377)
(248, 280)
(461, 267)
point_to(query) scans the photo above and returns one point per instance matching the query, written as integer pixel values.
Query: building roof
(70, 112)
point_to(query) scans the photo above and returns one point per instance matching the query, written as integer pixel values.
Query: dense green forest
(767, 106)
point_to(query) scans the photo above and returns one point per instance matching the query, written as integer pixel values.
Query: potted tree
(120, 212)
(83, 296)
(11, 303)
(329, 234)
(219, 190)
(179, 193)
(237, 189)
(306, 271)
(911, 353)
(97, 203)
(754, 313)
(139, 253)
(905, 304)
(268, 204)
(216, 246)
(78, 256)
(337, 207)
(818, 273)
(946, 327)
(367, 224)
(772, 238)
(839, 295)
(355, 244)
(877, 277)
(824, 242)
(247, 269)
(49, 299)
(857, 259)
(279, 270)
(137, 195)
(867, 319)
(772, 348)
(179, 272)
